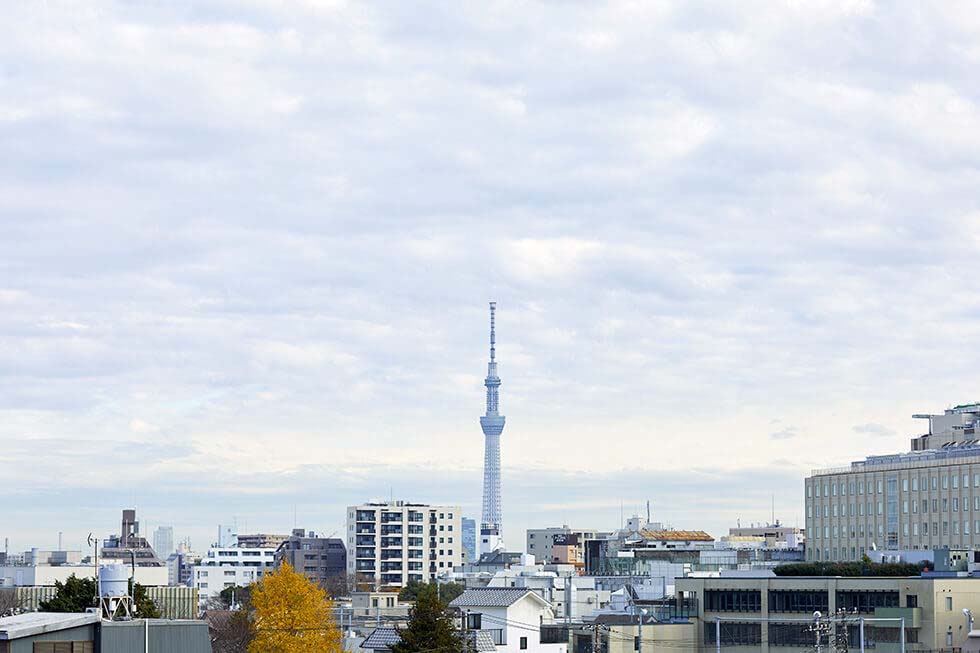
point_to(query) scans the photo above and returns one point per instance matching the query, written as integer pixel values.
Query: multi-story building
(230, 567)
(397, 542)
(261, 540)
(469, 538)
(925, 499)
(540, 541)
(322, 559)
(773, 614)
(163, 541)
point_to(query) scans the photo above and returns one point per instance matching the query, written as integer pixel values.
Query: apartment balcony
(365, 529)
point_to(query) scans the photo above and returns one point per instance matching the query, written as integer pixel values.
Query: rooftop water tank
(114, 580)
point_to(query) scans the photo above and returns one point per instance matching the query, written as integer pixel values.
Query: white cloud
(270, 230)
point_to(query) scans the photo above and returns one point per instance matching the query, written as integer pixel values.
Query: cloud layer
(248, 243)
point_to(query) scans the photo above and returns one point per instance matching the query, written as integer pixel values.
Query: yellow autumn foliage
(291, 614)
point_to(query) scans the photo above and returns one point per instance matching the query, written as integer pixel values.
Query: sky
(246, 250)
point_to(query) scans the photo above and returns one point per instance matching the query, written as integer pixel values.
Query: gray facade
(322, 559)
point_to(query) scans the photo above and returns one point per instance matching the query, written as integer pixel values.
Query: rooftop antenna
(648, 511)
(773, 509)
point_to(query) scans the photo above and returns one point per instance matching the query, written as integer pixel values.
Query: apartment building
(321, 559)
(228, 567)
(397, 542)
(540, 541)
(772, 614)
(927, 498)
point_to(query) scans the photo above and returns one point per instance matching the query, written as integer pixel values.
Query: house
(512, 616)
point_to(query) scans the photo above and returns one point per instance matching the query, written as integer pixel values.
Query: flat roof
(35, 623)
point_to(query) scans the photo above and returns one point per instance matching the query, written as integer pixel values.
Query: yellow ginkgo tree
(291, 614)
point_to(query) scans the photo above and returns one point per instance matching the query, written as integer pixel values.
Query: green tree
(447, 591)
(430, 627)
(74, 595)
(145, 607)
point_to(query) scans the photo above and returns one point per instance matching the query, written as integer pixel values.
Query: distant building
(540, 541)
(180, 567)
(925, 499)
(261, 540)
(229, 567)
(163, 541)
(54, 632)
(122, 547)
(322, 559)
(396, 542)
(469, 538)
(772, 535)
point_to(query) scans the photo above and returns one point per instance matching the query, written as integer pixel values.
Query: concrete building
(163, 541)
(772, 614)
(395, 542)
(469, 538)
(48, 575)
(180, 567)
(924, 499)
(512, 617)
(129, 542)
(322, 559)
(770, 535)
(619, 633)
(261, 540)
(230, 567)
(540, 541)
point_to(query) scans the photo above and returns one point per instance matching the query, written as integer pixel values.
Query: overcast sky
(246, 250)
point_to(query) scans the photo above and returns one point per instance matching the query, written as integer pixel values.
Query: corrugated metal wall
(165, 637)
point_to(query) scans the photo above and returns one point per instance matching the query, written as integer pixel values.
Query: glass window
(935, 482)
(956, 504)
(833, 489)
(905, 485)
(905, 507)
(879, 486)
(860, 487)
(956, 482)
(915, 484)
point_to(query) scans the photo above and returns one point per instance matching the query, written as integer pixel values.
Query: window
(733, 601)
(474, 621)
(803, 601)
(949, 603)
(524, 644)
(63, 647)
(905, 485)
(911, 601)
(935, 482)
(734, 633)
(956, 482)
(866, 601)
(915, 484)
(879, 486)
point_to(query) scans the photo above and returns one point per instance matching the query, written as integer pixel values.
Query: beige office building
(773, 614)
(925, 499)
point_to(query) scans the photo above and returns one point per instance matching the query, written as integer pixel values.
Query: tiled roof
(490, 597)
(381, 639)
(676, 536)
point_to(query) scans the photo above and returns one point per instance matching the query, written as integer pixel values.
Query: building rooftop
(676, 536)
(35, 623)
(491, 597)
(948, 452)
(382, 638)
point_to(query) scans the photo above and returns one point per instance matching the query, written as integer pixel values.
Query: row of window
(798, 635)
(944, 505)
(857, 532)
(924, 482)
(862, 601)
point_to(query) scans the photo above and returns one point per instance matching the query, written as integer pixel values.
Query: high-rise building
(491, 530)
(163, 541)
(925, 499)
(469, 538)
(396, 542)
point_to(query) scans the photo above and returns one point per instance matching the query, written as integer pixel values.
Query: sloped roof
(493, 597)
(381, 639)
(676, 536)
(35, 623)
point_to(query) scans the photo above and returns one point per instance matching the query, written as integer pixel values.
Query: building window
(956, 483)
(905, 485)
(915, 484)
(524, 643)
(733, 600)
(949, 603)
(734, 633)
(866, 601)
(804, 601)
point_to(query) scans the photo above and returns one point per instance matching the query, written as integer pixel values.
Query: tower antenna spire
(492, 424)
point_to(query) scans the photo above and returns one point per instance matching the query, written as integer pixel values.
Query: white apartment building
(924, 499)
(228, 567)
(390, 544)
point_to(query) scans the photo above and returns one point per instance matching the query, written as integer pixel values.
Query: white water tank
(114, 580)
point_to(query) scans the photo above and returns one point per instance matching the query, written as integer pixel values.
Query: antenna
(493, 335)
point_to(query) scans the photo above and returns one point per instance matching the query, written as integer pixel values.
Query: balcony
(363, 529)
(912, 616)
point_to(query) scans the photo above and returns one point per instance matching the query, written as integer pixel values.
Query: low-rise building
(54, 632)
(772, 613)
(230, 567)
(511, 616)
(261, 540)
(541, 541)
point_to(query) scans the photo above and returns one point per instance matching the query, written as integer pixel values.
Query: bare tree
(9, 603)
(230, 630)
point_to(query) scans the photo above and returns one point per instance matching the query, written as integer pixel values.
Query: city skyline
(245, 256)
